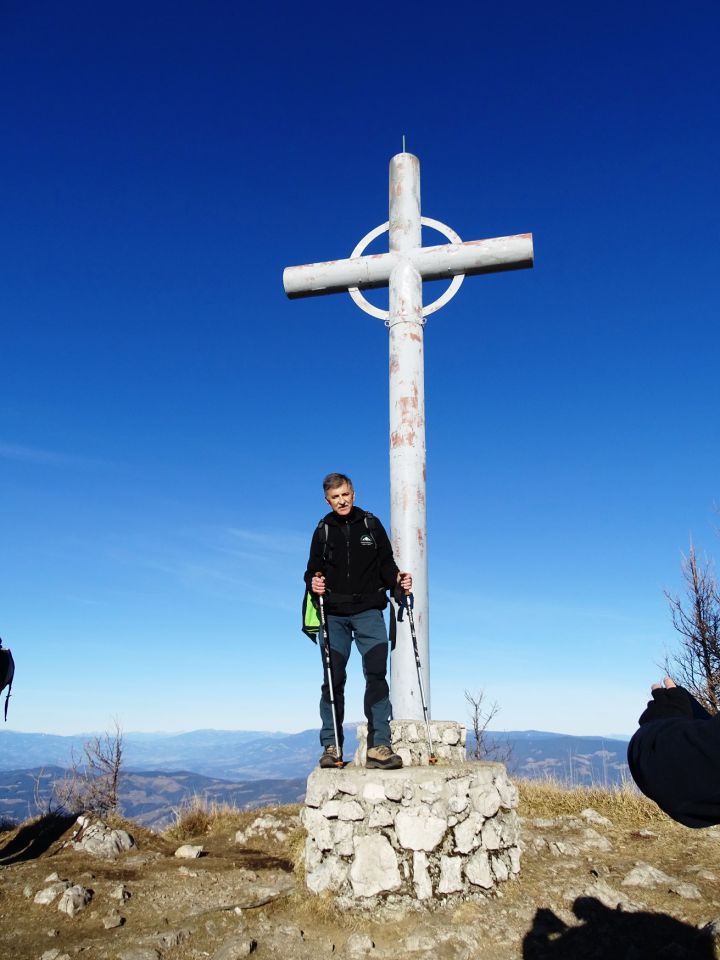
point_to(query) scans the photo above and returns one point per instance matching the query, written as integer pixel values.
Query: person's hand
(668, 701)
(317, 584)
(405, 581)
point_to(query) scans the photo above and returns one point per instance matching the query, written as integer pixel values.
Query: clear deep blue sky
(167, 414)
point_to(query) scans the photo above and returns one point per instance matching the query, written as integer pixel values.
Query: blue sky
(167, 415)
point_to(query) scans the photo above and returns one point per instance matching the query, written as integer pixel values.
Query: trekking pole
(326, 650)
(409, 607)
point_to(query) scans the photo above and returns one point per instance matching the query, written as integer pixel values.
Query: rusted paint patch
(402, 438)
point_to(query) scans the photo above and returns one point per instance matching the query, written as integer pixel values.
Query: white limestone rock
(97, 839)
(381, 816)
(458, 804)
(491, 835)
(189, 851)
(330, 874)
(592, 840)
(508, 793)
(113, 919)
(485, 800)
(342, 836)
(331, 809)
(49, 893)
(643, 875)
(358, 945)
(319, 789)
(348, 788)
(351, 810)
(74, 899)
(499, 868)
(450, 875)
(467, 833)
(688, 891)
(421, 878)
(418, 829)
(394, 790)
(510, 831)
(373, 792)
(478, 871)
(318, 828)
(375, 867)
(592, 816)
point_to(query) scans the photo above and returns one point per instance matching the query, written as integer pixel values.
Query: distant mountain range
(248, 768)
(255, 755)
(151, 798)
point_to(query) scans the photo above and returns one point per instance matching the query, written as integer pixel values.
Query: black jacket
(357, 562)
(674, 758)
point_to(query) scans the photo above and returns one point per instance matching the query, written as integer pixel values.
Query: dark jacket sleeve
(386, 562)
(316, 561)
(674, 758)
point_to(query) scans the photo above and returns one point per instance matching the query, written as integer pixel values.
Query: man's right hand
(317, 584)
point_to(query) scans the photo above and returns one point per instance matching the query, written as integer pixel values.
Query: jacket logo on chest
(366, 540)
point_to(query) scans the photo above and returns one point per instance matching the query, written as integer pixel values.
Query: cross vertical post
(408, 523)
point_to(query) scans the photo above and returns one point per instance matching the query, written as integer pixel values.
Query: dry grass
(199, 818)
(623, 804)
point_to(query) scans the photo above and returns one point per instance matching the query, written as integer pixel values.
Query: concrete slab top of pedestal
(355, 781)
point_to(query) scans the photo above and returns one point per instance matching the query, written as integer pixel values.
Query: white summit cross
(403, 270)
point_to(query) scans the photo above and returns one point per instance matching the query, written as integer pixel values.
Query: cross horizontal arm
(432, 263)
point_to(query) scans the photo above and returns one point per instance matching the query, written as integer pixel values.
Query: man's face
(341, 499)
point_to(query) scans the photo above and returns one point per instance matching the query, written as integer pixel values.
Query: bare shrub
(93, 782)
(480, 719)
(696, 617)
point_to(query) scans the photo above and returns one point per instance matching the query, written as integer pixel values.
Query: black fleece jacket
(674, 757)
(357, 562)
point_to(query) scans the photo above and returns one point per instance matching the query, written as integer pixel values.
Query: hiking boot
(330, 756)
(382, 758)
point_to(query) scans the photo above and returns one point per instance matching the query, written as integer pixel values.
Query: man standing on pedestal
(351, 566)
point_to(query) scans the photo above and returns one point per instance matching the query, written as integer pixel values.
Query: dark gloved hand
(403, 600)
(666, 703)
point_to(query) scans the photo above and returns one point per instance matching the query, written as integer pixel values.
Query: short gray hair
(333, 480)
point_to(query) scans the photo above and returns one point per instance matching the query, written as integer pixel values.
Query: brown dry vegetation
(624, 805)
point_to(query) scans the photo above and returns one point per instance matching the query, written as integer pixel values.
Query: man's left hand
(405, 581)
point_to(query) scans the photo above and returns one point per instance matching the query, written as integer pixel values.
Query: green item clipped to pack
(310, 617)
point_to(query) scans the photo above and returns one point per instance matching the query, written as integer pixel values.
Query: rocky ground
(590, 886)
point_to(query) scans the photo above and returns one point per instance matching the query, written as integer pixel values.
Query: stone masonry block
(419, 833)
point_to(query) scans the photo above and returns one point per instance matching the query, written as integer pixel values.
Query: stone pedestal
(428, 833)
(410, 741)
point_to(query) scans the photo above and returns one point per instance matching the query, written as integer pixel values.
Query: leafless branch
(696, 617)
(93, 781)
(480, 719)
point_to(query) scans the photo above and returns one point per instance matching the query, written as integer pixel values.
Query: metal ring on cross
(446, 297)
